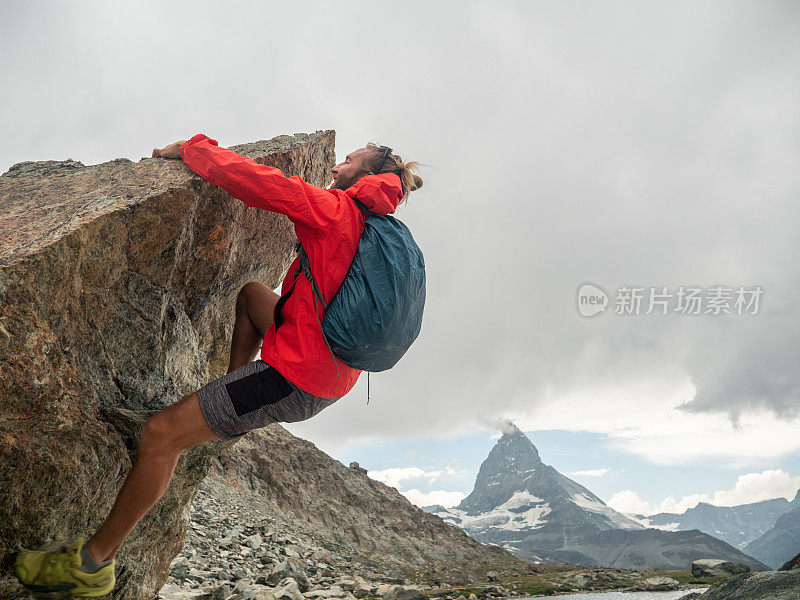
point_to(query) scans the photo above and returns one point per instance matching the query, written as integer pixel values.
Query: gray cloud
(636, 143)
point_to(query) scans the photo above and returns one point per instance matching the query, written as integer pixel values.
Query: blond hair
(409, 180)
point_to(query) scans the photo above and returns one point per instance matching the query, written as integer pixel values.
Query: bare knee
(158, 434)
(176, 428)
(250, 291)
(256, 303)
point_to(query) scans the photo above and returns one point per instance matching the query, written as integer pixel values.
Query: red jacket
(329, 225)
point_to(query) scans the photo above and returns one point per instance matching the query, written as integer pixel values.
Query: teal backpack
(376, 313)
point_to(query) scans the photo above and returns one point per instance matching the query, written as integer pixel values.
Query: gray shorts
(252, 397)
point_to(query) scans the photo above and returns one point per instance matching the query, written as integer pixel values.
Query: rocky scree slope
(349, 513)
(276, 517)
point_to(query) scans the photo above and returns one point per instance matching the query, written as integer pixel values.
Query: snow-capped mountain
(538, 514)
(515, 494)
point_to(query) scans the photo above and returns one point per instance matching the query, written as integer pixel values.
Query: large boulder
(399, 592)
(658, 584)
(290, 567)
(769, 585)
(287, 590)
(117, 288)
(711, 567)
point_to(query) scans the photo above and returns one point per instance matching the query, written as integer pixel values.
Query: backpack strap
(362, 207)
(305, 268)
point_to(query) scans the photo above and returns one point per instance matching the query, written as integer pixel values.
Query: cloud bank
(630, 143)
(752, 487)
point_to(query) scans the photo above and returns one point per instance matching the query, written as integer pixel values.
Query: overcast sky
(624, 144)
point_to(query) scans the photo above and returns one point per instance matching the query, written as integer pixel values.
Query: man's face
(349, 171)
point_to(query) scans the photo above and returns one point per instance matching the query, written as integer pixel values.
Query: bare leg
(164, 437)
(176, 428)
(255, 306)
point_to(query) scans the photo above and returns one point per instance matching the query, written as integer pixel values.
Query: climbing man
(296, 375)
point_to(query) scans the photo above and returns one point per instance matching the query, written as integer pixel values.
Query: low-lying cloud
(752, 487)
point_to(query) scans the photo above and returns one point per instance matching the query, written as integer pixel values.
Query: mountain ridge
(781, 542)
(541, 515)
(737, 525)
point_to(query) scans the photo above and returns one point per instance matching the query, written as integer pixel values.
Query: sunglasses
(386, 152)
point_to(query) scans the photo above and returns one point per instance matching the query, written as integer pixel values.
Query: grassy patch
(686, 577)
(540, 590)
(548, 580)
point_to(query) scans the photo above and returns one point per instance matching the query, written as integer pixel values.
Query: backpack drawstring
(316, 312)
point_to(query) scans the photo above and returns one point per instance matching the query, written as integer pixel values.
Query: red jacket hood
(380, 193)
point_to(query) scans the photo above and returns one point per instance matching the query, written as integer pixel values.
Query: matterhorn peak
(509, 468)
(529, 508)
(515, 448)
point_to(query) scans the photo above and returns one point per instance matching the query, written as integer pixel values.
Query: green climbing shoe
(58, 570)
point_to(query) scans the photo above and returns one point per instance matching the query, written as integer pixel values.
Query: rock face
(709, 567)
(772, 585)
(540, 515)
(117, 286)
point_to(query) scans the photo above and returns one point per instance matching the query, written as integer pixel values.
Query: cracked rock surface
(117, 287)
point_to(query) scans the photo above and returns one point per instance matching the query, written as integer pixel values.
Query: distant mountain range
(737, 525)
(749, 527)
(540, 515)
(782, 541)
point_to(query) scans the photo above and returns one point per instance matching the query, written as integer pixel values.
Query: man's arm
(258, 185)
